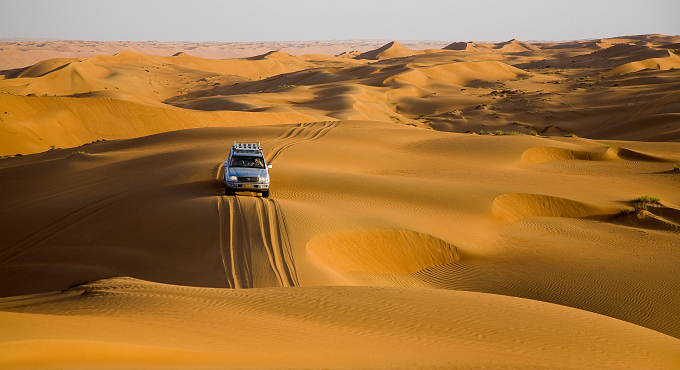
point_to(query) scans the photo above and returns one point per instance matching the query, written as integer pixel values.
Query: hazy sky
(301, 20)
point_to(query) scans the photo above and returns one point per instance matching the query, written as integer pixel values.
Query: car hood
(243, 171)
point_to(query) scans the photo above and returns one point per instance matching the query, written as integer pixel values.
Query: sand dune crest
(382, 251)
(460, 74)
(513, 207)
(612, 153)
(464, 46)
(514, 46)
(671, 61)
(388, 51)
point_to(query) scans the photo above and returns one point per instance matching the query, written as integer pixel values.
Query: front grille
(248, 179)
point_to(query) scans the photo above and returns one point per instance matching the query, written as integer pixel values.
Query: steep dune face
(514, 46)
(388, 51)
(464, 46)
(46, 66)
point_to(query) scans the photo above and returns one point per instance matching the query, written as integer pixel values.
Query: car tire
(228, 191)
(265, 194)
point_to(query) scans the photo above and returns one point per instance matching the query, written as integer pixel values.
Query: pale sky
(303, 20)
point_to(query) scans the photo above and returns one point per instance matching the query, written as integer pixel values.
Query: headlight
(264, 179)
(232, 178)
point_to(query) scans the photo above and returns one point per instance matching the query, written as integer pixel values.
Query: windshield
(247, 161)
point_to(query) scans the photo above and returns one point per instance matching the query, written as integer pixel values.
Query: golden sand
(392, 238)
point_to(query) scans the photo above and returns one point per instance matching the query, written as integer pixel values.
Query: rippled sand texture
(392, 238)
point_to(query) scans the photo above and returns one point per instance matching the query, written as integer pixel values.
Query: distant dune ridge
(389, 51)
(434, 205)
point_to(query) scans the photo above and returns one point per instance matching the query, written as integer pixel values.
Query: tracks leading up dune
(242, 246)
(302, 133)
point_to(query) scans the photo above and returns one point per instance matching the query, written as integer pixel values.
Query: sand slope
(314, 327)
(33, 124)
(392, 238)
(249, 242)
(390, 50)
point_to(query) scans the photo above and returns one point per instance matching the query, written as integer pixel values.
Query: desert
(434, 205)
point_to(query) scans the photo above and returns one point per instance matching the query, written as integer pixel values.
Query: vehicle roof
(257, 153)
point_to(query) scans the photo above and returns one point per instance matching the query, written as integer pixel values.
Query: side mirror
(269, 166)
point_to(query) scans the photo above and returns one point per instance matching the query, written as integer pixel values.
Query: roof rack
(247, 145)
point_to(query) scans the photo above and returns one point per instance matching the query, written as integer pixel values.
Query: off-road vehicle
(246, 169)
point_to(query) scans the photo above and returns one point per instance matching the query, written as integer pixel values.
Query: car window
(247, 161)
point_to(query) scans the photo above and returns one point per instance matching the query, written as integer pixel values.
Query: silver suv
(246, 169)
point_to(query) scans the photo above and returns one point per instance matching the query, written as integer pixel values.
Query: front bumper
(240, 186)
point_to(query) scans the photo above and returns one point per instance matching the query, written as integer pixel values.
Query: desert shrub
(533, 133)
(482, 132)
(78, 152)
(646, 199)
(639, 207)
(548, 128)
(639, 204)
(500, 132)
(411, 124)
(570, 135)
(625, 212)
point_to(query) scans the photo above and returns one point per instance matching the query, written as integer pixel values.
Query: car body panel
(246, 178)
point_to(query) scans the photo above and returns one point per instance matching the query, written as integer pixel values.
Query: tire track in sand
(276, 242)
(238, 242)
(234, 244)
(308, 132)
(62, 226)
(292, 133)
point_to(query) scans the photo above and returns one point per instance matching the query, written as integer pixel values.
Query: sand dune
(460, 74)
(465, 207)
(671, 61)
(610, 153)
(388, 51)
(22, 53)
(380, 327)
(33, 124)
(145, 75)
(513, 207)
(466, 46)
(382, 251)
(514, 46)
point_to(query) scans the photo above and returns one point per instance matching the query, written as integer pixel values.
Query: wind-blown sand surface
(392, 239)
